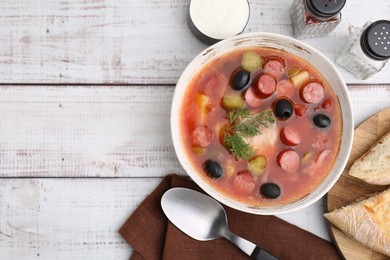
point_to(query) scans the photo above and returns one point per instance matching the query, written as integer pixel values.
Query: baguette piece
(367, 221)
(374, 166)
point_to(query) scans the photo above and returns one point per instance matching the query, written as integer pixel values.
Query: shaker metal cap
(325, 9)
(375, 40)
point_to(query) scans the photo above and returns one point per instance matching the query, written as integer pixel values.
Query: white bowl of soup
(262, 122)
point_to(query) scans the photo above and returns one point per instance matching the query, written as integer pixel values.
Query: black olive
(213, 168)
(321, 120)
(240, 80)
(283, 109)
(270, 190)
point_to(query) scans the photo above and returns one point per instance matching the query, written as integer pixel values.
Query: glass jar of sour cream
(215, 20)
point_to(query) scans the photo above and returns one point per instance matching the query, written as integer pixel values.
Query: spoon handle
(260, 254)
(251, 249)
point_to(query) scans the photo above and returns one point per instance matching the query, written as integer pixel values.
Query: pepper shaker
(368, 50)
(315, 18)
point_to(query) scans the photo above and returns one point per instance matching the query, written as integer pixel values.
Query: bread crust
(374, 166)
(366, 221)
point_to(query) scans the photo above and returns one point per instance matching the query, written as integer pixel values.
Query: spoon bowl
(179, 204)
(203, 218)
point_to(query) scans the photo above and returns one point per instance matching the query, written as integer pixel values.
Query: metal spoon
(203, 218)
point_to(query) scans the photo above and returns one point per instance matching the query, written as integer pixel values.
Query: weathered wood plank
(65, 218)
(49, 131)
(86, 131)
(138, 41)
(79, 218)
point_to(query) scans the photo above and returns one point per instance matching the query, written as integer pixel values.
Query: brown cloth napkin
(152, 236)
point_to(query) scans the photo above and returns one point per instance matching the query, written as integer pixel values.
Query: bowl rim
(345, 142)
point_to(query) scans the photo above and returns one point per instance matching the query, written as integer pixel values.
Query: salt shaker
(315, 18)
(368, 50)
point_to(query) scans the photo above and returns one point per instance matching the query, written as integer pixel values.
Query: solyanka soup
(261, 126)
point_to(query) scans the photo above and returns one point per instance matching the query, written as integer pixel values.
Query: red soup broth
(295, 153)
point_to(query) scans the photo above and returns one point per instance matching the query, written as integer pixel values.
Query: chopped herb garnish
(243, 125)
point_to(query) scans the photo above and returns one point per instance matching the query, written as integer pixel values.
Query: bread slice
(367, 221)
(374, 166)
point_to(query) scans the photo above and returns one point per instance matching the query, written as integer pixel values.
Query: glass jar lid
(375, 40)
(324, 9)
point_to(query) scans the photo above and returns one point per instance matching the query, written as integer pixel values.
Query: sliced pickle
(251, 61)
(231, 101)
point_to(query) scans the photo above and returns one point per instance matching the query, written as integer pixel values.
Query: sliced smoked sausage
(289, 160)
(312, 93)
(251, 99)
(244, 183)
(216, 86)
(290, 136)
(202, 136)
(274, 67)
(266, 85)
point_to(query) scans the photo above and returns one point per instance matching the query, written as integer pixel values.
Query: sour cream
(219, 19)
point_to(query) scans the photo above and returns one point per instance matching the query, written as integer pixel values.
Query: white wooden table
(85, 96)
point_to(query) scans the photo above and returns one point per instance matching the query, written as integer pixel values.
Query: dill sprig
(243, 125)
